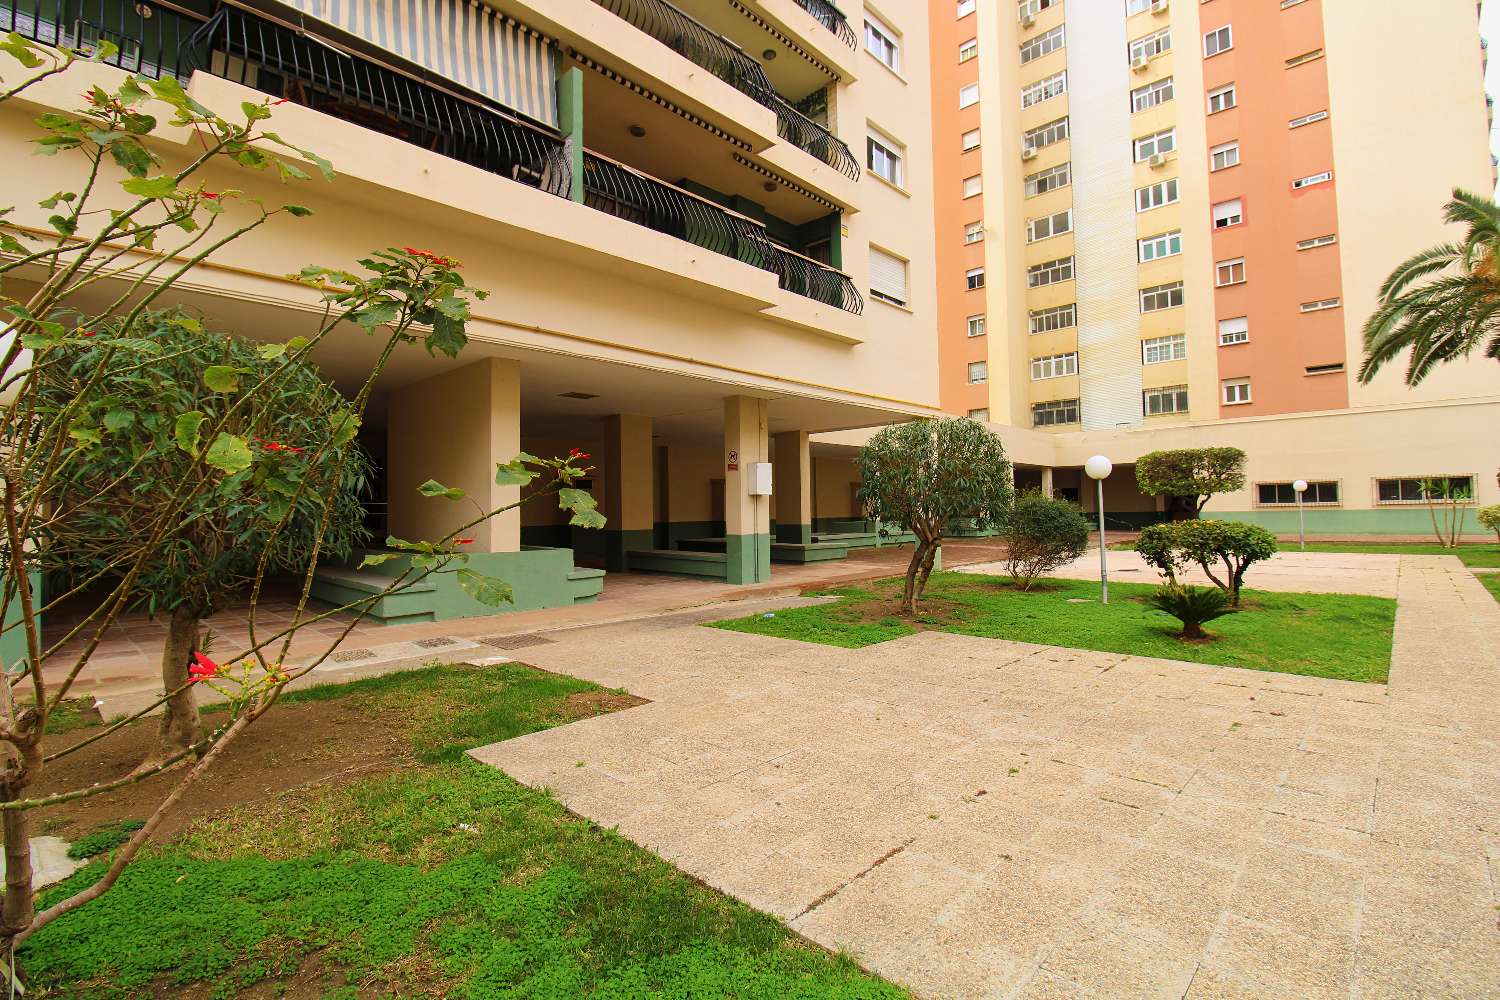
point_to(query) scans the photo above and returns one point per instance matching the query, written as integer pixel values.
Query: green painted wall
(1337, 521)
(669, 533)
(748, 558)
(570, 123)
(617, 543)
(794, 534)
(13, 640)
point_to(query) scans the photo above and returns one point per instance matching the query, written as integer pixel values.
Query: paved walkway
(981, 818)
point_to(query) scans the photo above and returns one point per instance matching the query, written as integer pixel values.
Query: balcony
(831, 18)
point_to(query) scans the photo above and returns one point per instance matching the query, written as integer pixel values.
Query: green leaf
(513, 473)
(150, 187)
(131, 157)
(583, 505)
(447, 336)
(343, 426)
(376, 314)
(254, 112)
(485, 589)
(118, 420)
(433, 488)
(186, 431)
(229, 453)
(271, 352)
(299, 211)
(221, 378)
(85, 436)
(297, 343)
(377, 558)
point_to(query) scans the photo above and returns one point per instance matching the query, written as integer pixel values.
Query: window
(1172, 399)
(1312, 180)
(1133, 7)
(971, 140)
(1049, 180)
(1151, 95)
(1316, 116)
(968, 95)
(976, 326)
(1329, 369)
(1419, 489)
(1222, 99)
(1054, 366)
(1290, 3)
(981, 414)
(1317, 241)
(1320, 305)
(968, 50)
(1277, 494)
(1218, 40)
(1156, 247)
(1234, 331)
(1229, 213)
(974, 232)
(1158, 350)
(1031, 8)
(1229, 272)
(971, 186)
(1050, 273)
(886, 159)
(1035, 48)
(1236, 391)
(887, 277)
(1056, 318)
(1156, 144)
(1054, 412)
(880, 41)
(1156, 195)
(974, 278)
(1224, 156)
(1049, 225)
(1045, 89)
(1046, 135)
(1305, 57)
(1159, 297)
(1149, 46)
(979, 372)
(966, 7)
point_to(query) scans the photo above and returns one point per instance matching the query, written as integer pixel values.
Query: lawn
(1322, 635)
(1481, 555)
(433, 876)
(1491, 583)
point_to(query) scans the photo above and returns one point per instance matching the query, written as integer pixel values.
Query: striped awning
(469, 43)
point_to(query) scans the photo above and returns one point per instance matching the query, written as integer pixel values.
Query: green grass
(442, 878)
(1480, 555)
(1322, 635)
(1491, 583)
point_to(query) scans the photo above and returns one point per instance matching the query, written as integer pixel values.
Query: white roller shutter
(887, 276)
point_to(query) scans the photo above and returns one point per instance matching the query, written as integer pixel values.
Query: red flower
(278, 446)
(87, 333)
(211, 195)
(201, 668)
(575, 453)
(279, 102)
(463, 541)
(436, 258)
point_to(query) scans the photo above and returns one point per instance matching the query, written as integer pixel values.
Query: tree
(922, 475)
(1193, 474)
(1041, 534)
(1172, 546)
(1489, 517)
(1193, 606)
(1447, 502)
(1444, 303)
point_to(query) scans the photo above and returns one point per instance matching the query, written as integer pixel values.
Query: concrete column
(455, 428)
(628, 488)
(1047, 481)
(570, 123)
(747, 519)
(793, 485)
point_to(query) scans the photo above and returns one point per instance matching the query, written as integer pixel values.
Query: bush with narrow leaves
(1042, 534)
(1193, 606)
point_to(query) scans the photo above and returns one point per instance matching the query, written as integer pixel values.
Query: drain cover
(516, 641)
(434, 642)
(349, 655)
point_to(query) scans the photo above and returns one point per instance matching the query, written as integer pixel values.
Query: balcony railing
(831, 18)
(148, 37)
(700, 44)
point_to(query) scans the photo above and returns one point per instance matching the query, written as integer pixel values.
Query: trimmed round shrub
(1490, 518)
(1236, 546)
(1041, 535)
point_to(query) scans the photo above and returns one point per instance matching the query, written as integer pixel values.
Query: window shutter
(887, 276)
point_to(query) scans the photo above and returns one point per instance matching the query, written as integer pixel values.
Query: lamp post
(1099, 469)
(1300, 487)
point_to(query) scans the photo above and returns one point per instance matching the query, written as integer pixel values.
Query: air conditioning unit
(1140, 63)
(1028, 19)
(1028, 152)
(1158, 160)
(1160, 6)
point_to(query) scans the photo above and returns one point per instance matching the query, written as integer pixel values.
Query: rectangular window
(1224, 156)
(886, 159)
(974, 278)
(1158, 402)
(1285, 494)
(1044, 90)
(1056, 318)
(970, 139)
(1158, 350)
(1317, 241)
(1051, 273)
(971, 186)
(979, 372)
(1320, 305)
(1234, 331)
(1222, 99)
(981, 414)
(1049, 180)
(880, 41)
(1049, 225)
(966, 7)
(1054, 412)
(1229, 213)
(975, 325)
(1157, 144)
(1035, 48)
(1329, 369)
(1031, 8)
(1156, 247)
(1312, 180)
(1045, 135)
(1305, 57)
(1156, 195)
(968, 50)
(1148, 47)
(1236, 391)
(887, 277)
(1420, 489)
(1218, 40)
(1151, 95)
(1229, 272)
(974, 232)
(1316, 116)
(968, 95)
(1054, 366)
(1133, 7)
(1159, 297)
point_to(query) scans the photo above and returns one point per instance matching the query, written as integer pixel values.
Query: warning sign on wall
(734, 461)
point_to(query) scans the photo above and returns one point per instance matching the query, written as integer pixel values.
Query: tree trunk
(18, 909)
(927, 561)
(180, 726)
(1192, 630)
(909, 593)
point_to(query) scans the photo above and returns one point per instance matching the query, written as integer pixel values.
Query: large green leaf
(583, 505)
(229, 453)
(433, 488)
(186, 430)
(221, 378)
(150, 187)
(513, 473)
(487, 590)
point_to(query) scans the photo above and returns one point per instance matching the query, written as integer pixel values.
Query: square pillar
(454, 428)
(747, 519)
(793, 486)
(628, 488)
(1047, 481)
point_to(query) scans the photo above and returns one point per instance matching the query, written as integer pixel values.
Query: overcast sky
(1489, 23)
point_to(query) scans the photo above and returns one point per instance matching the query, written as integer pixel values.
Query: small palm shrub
(1042, 534)
(1490, 518)
(1193, 606)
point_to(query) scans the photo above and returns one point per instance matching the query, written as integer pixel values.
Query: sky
(1489, 25)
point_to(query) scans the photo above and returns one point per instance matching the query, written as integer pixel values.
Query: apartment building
(1164, 222)
(702, 233)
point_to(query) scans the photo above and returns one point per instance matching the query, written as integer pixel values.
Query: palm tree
(1455, 311)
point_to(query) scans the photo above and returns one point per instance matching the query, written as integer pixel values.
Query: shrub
(1193, 606)
(1192, 475)
(1172, 546)
(1041, 535)
(1490, 518)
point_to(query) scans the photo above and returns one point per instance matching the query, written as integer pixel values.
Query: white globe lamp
(1098, 468)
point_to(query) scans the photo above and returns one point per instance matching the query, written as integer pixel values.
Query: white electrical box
(760, 479)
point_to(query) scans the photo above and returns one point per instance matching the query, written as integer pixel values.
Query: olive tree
(924, 474)
(1489, 517)
(1172, 546)
(1191, 474)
